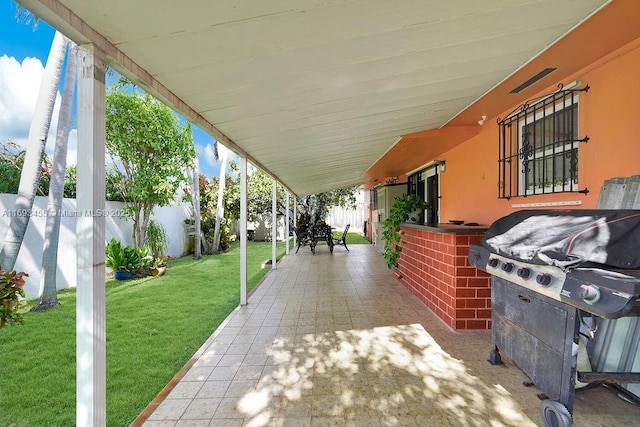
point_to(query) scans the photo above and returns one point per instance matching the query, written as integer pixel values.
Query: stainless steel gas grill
(554, 274)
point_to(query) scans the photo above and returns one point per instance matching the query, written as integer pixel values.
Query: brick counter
(434, 266)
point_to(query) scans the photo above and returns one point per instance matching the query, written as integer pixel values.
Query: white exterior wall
(30, 255)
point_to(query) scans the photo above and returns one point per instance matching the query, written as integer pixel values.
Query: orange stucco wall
(436, 269)
(608, 114)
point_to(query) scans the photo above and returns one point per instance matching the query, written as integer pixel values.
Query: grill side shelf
(617, 280)
(478, 257)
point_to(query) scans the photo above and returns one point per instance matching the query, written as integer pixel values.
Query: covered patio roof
(316, 92)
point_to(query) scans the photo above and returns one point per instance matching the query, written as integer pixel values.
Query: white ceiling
(315, 91)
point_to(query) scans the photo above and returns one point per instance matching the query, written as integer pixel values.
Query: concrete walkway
(335, 340)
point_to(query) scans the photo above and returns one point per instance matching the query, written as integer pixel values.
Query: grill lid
(568, 239)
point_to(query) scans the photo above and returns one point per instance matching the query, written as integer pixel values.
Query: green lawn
(355, 239)
(154, 325)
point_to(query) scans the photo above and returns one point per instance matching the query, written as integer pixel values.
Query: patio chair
(342, 240)
(303, 236)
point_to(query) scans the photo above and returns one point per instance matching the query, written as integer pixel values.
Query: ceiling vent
(533, 79)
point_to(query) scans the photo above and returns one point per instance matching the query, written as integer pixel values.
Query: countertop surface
(448, 228)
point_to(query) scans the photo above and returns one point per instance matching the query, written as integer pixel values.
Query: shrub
(125, 258)
(118, 258)
(11, 284)
(156, 239)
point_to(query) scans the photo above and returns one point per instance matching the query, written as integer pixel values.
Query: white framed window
(548, 150)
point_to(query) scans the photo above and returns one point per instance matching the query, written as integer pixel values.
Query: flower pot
(414, 217)
(122, 275)
(158, 271)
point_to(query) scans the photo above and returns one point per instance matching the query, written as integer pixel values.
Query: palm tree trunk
(35, 150)
(48, 288)
(220, 205)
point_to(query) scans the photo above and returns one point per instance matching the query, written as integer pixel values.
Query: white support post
(274, 225)
(90, 232)
(243, 230)
(295, 221)
(286, 226)
(197, 239)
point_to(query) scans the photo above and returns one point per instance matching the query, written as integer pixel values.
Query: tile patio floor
(335, 340)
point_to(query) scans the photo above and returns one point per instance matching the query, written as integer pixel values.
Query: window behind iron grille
(538, 147)
(373, 199)
(424, 184)
(415, 185)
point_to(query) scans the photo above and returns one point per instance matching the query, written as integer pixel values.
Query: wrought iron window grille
(373, 199)
(538, 146)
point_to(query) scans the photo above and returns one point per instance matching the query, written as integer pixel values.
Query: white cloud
(19, 85)
(18, 91)
(208, 154)
(72, 147)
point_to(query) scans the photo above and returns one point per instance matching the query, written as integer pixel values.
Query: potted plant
(159, 266)
(156, 239)
(406, 207)
(120, 259)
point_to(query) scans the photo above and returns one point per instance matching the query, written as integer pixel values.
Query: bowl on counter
(456, 221)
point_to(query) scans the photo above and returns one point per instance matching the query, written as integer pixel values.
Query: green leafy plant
(126, 258)
(11, 290)
(142, 262)
(117, 256)
(156, 239)
(405, 206)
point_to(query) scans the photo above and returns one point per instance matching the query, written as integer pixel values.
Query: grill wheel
(555, 414)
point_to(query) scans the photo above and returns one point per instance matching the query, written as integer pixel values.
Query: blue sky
(23, 53)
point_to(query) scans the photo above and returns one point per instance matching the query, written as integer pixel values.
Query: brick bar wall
(435, 268)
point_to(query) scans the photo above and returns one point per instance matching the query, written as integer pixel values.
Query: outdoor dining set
(321, 233)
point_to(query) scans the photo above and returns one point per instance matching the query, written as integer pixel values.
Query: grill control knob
(493, 262)
(507, 267)
(543, 279)
(589, 293)
(524, 272)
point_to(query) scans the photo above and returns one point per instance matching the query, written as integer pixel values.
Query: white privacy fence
(339, 217)
(116, 225)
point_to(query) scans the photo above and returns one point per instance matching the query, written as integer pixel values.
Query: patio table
(313, 235)
(319, 233)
